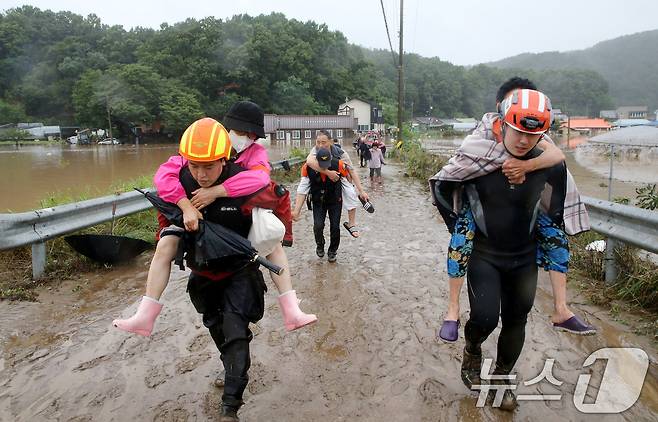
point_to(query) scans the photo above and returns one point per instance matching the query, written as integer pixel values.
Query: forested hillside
(64, 68)
(629, 64)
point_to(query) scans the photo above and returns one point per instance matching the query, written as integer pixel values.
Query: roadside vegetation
(63, 262)
(418, 163)
(636, 288)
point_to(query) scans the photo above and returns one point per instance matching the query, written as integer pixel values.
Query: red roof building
(587, 124)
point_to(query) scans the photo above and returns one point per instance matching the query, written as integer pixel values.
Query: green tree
(11, 112)
(292, 96)
(179, 107)
(64, 67)
(88, 102)
(14, 135)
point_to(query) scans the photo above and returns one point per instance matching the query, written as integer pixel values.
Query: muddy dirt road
(371, 357)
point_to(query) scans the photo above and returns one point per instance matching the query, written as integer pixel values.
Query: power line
(390, 44)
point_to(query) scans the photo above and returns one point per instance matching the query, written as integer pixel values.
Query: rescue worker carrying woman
(502, 272)
(228, 301)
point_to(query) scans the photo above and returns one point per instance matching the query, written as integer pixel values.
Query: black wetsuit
(502, 272)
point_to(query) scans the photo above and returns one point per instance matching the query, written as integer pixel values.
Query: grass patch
(16, 269)
(299, 153)
(284, 177)
(635, 291)
(62, 261)
(418, 162)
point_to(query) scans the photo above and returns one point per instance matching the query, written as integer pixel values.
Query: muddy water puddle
(372, 355)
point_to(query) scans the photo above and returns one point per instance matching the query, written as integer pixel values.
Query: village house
(369, 115)
(586, 126)
(559, 115)
(632, 112)
(298, 129)
(35, 130)
(465, 124)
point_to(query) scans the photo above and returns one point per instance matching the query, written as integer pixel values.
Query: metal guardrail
(36, 227)
(632, 225)
(628, 224)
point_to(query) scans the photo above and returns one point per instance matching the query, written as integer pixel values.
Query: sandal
(575, 325)
(367, 205)
(449, 332)
(352, 230)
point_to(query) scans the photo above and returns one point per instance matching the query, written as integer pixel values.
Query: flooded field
(631, 164)
(30, 173)
(372, 356)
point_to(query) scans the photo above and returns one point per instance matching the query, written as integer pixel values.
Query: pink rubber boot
(293, 317)
(142, 322)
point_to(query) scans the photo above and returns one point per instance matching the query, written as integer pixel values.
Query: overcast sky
(460, 31)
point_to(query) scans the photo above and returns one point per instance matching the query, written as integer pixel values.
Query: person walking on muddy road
(245, 123)
(326, 197)
(502, 272)
(228, 299)
(481, 153)
(352, 189)
(375, 163)
(364, 153)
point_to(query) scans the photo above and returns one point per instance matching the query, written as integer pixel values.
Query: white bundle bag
(266, 231)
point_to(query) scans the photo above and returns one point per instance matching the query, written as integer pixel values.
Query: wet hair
(513, 83)
(325, 133)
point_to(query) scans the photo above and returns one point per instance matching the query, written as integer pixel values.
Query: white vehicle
(109, 141)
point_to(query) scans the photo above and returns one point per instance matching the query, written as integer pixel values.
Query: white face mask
(239, 142)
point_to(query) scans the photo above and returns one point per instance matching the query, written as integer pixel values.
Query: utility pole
(400, 85)
(609, 260)
(569, 131)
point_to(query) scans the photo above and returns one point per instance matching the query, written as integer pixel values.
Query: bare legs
(561, 311)
(158, 278)
(160, 269)
(282, 282)
(455, 287)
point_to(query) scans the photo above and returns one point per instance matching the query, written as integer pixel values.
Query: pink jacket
(254, 159)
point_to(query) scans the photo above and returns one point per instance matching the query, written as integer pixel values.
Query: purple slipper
(449, 331)
(575, 325)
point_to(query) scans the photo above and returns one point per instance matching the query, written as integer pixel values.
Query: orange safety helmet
(527, 110)
(205, 140)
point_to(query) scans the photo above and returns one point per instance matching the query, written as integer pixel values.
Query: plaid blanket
(480, 154)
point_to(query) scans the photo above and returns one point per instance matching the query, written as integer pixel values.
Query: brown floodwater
(31, 173)
(632, 168)
(372, 356)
